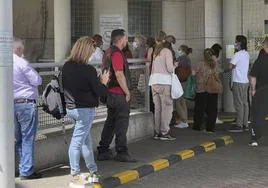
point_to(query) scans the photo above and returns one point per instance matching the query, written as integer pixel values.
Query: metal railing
(139, 69)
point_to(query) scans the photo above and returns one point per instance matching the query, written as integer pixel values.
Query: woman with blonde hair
(208, 85)
(160, 80)
(82, 90)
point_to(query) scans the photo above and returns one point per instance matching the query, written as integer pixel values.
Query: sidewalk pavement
(144, 151)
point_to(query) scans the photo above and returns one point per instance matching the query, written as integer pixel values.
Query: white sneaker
(253, 144)
(181, 125)
(218, 121)
(93, 177)
(80, 181)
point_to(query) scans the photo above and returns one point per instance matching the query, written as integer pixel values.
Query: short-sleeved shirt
(241, 62)
(118, 65)
(260, 70)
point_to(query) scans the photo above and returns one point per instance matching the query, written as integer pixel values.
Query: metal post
(147, 88)
(7, 157)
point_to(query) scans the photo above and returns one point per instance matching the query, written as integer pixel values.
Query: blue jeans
(26, 120)
(81, 139)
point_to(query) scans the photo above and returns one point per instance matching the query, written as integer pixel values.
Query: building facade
(50, 26)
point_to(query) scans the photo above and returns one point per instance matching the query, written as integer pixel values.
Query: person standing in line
(206, 100)
(118, 101)
(240, 66)
(259, 89)
(160, 80)
(25, 87)
(183, 71)
(149, 55)
(98, 53)
(82, 90)
(216, 48)
(139, 47)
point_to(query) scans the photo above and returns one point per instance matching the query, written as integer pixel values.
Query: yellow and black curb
(157, 165)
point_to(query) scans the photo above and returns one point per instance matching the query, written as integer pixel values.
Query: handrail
(94, 63)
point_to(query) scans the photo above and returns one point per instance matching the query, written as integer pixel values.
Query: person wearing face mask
(240, 83)
(139, 46)
(183, 71)
(98, 54)
(259, 89)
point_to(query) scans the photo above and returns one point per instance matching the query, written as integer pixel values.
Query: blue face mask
(179, 53)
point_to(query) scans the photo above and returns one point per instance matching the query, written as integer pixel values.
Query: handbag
(189, 88)
(213, 84)
(176, 88)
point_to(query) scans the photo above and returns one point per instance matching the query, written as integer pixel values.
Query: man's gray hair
(17, 43)
(265, 42)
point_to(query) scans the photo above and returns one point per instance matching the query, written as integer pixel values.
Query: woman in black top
(82, 90)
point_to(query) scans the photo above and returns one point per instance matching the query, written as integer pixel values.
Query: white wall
(174, 21)
(213, 22)
(119, 7)
(195, 28)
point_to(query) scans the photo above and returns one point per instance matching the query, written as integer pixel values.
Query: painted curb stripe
(172, 159)
(127, 176)
(157, 165)
(209, 146)
(96, 185)
(219, 143)
(186, 154)
(160, 164)
(227, 140)
(110, 182)
(145, 170)
(198, 150)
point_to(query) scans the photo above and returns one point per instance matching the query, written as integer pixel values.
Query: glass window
(81, 18)
(144, 17)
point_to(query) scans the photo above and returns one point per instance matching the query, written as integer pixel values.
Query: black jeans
(116, 124)
(259, 110)
(205, 103)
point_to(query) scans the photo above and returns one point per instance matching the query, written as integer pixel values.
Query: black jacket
(82, 88)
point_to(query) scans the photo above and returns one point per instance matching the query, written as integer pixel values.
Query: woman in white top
(160, 80)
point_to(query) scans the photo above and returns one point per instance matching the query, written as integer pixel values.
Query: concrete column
(62, 29)
(229, 33)
(174, 18)
(7, 157)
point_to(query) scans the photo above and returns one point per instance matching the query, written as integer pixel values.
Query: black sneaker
(235, 129)
(209, 131)
(167, 137)
(156, 136)
(125, 158)
(245, 128)
(105, 156)
(34, 175)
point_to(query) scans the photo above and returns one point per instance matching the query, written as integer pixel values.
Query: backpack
(53, 98)
(213, 84)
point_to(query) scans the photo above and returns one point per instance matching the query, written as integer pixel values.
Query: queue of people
(83, 88)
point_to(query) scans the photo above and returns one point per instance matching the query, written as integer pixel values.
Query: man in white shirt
(25, 83)
(240, 66)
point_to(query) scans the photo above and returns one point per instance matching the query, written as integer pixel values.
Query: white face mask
(135, 45)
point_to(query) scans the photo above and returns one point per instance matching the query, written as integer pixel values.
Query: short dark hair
(150, 42)
(117, 34)
(216, 48)
(265, 42)
(242, 40)
(98, 39)
(186, 49)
